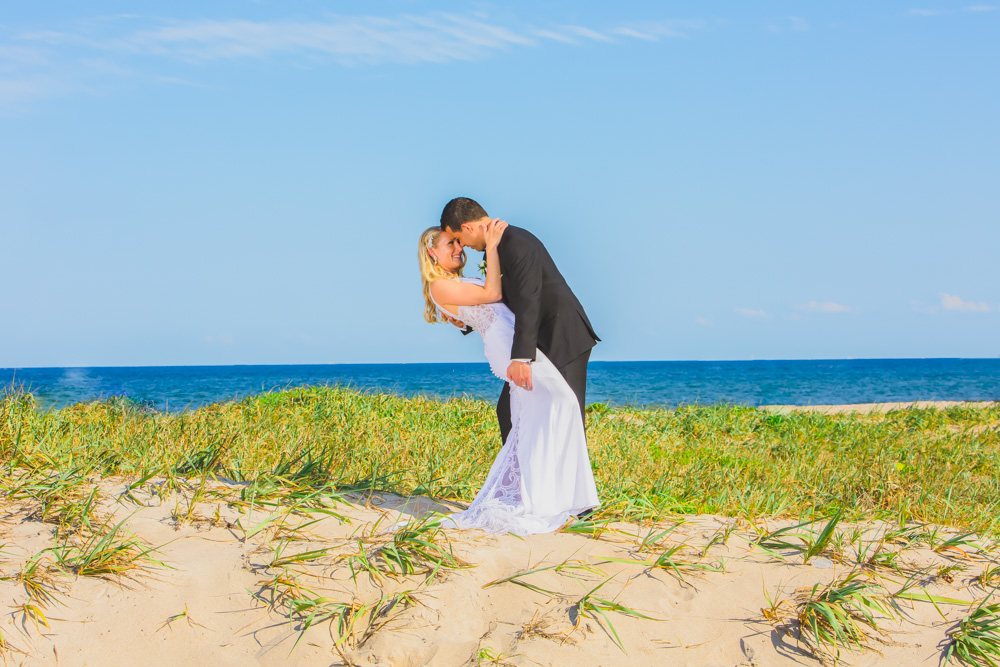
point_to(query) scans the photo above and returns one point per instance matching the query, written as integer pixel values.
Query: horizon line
(481, 363)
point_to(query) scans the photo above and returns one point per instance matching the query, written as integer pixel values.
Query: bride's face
(447, 251)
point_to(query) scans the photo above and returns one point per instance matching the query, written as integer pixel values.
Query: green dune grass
(927, 465)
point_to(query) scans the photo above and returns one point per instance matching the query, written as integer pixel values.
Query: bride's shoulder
(443, 287)
(443, 280)
(474, 281)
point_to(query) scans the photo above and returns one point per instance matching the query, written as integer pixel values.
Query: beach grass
(914, 465)
(976, 639)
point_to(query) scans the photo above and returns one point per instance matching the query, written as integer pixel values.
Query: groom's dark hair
(460, 210)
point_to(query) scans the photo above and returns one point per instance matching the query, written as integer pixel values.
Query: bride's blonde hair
(430, 271)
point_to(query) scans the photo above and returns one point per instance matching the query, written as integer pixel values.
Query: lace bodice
(480, 317)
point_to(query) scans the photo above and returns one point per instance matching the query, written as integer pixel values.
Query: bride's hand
(494, 232)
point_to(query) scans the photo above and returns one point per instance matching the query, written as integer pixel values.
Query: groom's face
(473, 234)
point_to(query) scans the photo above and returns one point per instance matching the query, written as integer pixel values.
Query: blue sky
(244, 182)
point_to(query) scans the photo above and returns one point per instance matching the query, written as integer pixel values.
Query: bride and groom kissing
(537, 337)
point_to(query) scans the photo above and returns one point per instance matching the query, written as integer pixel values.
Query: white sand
(867, 408)
(711, 618)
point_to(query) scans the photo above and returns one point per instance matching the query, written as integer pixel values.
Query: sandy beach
(210, 577)
(881, 408)
(223, 578)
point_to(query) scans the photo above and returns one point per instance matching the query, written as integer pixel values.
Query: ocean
(638, 383)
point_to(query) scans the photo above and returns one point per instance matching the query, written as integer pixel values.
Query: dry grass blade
(130, 489)
(38, 580)
(280, 560)
(808, 543)
(876, 557)
(989, 576)
(772, 613)
(109, 554)
(595, 607)
(907, 593)
(186, 615)
(655, 536)
(494, 658)
(721, 536)
(352, 623)
(387, 611)
(6, 648)
(279, 590)
(675, 566)
(844, 613)
(310, 611)
(961, 546)
(593, 527)
(31, 612)
(419, 547)
(568, 566)
(540, 626)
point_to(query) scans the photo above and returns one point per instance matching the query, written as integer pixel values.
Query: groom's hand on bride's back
(462, 326)
(519, 372)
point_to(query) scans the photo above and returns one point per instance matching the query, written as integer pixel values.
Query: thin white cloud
(952, 302)
(587, 33)
(749, 312)
(349, 40)
(91, 53)
(16, 93)
(702, 321)
(981, 8)
(21, 56)
(632, 32)
(434, 37)
(825, 307)
(20, 80)
(45, 61)
(13, 90)
(36, 71)
(654, 30)
(554, 35)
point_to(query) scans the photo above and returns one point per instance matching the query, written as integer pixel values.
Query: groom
(547, 315)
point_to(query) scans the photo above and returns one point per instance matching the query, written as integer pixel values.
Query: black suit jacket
(547, 315)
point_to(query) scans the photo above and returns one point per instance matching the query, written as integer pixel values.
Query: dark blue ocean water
(645, 383)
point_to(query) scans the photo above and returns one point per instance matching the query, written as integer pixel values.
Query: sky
(244, 182)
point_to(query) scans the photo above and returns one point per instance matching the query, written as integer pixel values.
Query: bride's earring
(434, 260)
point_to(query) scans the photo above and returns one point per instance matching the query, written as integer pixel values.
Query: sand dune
(208, 601)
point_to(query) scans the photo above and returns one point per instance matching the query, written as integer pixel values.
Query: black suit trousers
(575, 373)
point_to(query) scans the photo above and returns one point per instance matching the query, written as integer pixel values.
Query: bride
(542, 476)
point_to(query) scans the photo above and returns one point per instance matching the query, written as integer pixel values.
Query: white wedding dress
(542, 475)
